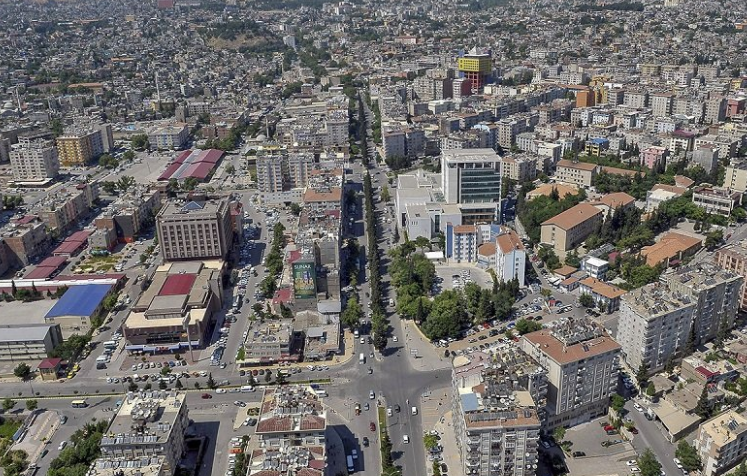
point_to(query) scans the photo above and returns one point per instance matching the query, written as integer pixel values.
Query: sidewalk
(423, 355)
(451, 452)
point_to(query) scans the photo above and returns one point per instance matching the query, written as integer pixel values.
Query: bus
(79, 404)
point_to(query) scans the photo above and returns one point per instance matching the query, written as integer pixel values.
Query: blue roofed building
(597, 146)
(78, 307)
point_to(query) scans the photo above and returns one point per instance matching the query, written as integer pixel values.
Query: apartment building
(567, 230)
(461, 243)
(510, 257)
(394, 144)
(80, 147)
(282, 174)
(34, 160)
(62, 212)
(718, 200)
(577, 173)
(606, 296)
(171, 137)
(147, 427)
(733, 257)
(715, 292)
(497, 412)
(130, 213)
(519, 168)
(654, 325)
(722, 442)
(736, 176)
(26, 239)
(582, 364)
(194, 230)
(660, 193)
(291, 431)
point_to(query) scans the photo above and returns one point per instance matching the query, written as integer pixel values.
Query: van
(321, 393)
(247, 389)
(362, 358)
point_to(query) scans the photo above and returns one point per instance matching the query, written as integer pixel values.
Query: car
(634, 469)
(444, 468)
(372, 426)
(678, 463)
(638, 407)
(397, 408)
(389, 411)
(366, 406)
(405, 439)
(206, 396)
(545, 444)
(354, 453)
(363, 340)
(370, 370)
(632, 462)
(371, 395)
(395, 339)
(577, 454)
(365, 441)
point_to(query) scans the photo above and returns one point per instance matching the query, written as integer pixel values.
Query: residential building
(131, 213)
(497, 411)
(612, 202)
(582, 364)
(596, 268)
(706, 156)
(34, 160)
(736, 176)
(722, 442)
(194, 230)
(282, 174)
(654, 325)
(548, 189)
(660, 193)
(80, 147)
(269, 343)
(25, 239)
(606, 296)
(718, 200)
(654, 156)
(577, 173)
(520, 169)
(148, 427)
(472, 178)
(715, 292)
(510, 257)
(171, 137)
(733, 257)
(64, 210)
(173, 314)
(567, 230)
(597, 146)
(461, 243)
(291, 431)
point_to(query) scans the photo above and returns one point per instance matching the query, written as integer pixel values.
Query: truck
(351, 466)
(362, 358)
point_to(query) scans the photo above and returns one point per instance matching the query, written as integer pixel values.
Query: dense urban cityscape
(317, 238)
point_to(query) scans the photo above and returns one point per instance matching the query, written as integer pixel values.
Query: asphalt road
(650, 437)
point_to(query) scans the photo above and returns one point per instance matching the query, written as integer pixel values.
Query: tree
(352, 314)
(741, 469)
(109, 187)
(132, 387)
(189, 184)
(211, 382)
(702, 408)
(8, 404)
(22, 371)
(642, 375)
(648, 464)
(139, 142)
(268, 377)
(125, 183)
(295, 208)
(688, 456)
(722, 332)
(586, 300)
(714, 239)
(558, 434)
(617, 402)
(108, 162)
(525, 326)
(385, 195)
(32, 405)
(572, 259)
(651, 389)
(430, 441)
(56, 126)
(689, 347)
(230, 170)
(669, 365)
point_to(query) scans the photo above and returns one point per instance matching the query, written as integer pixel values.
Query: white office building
(472, 178)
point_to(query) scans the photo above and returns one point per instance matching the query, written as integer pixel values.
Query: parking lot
(456, 276)
(588, 438)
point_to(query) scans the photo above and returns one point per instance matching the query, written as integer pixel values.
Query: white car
(634, 469)
(405, 439)
(632, 462)
(678, 463)
(395, 339)
(638, 407)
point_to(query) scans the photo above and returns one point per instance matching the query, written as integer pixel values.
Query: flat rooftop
(17, 313)
(144, 419)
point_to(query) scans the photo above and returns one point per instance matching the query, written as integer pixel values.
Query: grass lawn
(8, 428)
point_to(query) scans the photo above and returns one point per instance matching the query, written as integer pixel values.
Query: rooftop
(80, 301)
(144, 418)
(572, 340)
(654, 300)
(289, 409)
(574, 216)
(726, 427)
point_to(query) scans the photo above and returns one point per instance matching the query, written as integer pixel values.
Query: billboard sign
(304, 280)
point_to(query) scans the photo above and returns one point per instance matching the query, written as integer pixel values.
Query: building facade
(722, 442)
(194, 230)
(34, 160)
(472, 178)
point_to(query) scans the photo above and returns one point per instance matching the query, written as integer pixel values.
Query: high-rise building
(722, 442)
(582, 364)
(715, 292)
(146, 428)
(497, 411)
(270, 173)
(80, 147)
(194, 230)
(475, 67)
(34, 160)
(733, 257)
(472, 178)
(654, 325)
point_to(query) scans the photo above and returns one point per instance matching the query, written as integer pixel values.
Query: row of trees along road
(379, 322)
